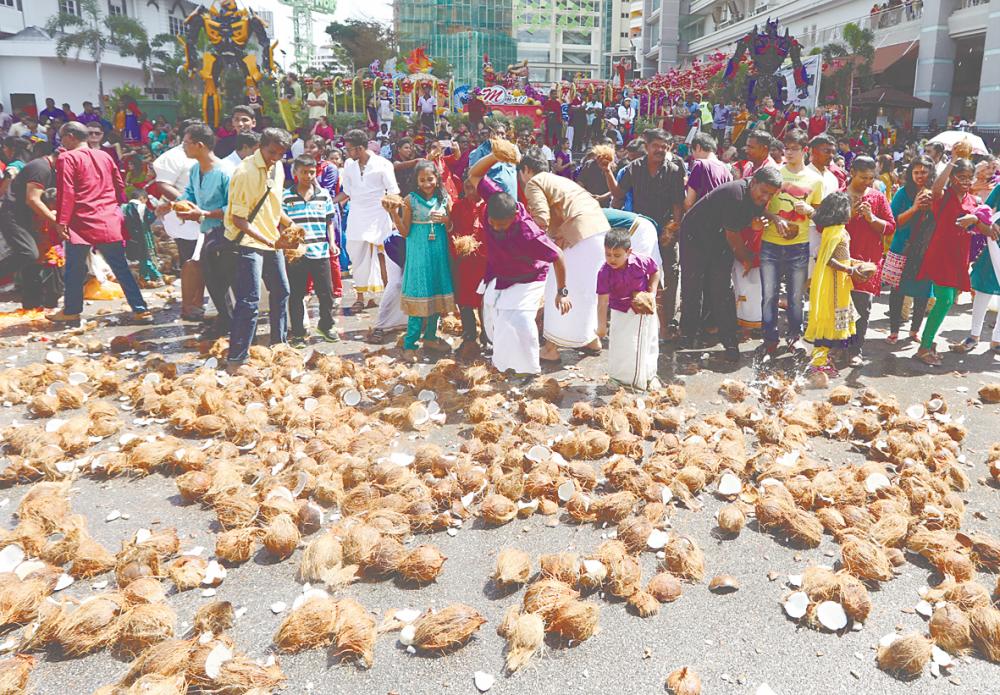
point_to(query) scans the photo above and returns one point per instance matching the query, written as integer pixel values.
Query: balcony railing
(894, 16)
(973, 3)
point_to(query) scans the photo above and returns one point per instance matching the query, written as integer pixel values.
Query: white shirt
(626, 114)
(385, 110)
(427, 104)
(173, 167)
(368, 220)
(547, 152)
(18, 130)
(298, 147)
(317, 111)
(233, 159)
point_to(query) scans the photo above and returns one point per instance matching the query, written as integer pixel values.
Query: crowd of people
(649, 239)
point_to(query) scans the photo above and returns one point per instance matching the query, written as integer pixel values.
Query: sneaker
(768, 349)
(144, 317)
(297, 341)
(856, 361)
(732, 354)
(63, 317)
(330, 335)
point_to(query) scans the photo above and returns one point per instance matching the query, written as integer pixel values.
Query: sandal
(357, 307)
(437, 345)
(892, 338)
(966, 345)
(928, 357)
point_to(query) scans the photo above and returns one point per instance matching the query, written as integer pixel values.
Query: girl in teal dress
(984, 282)
(427, 288)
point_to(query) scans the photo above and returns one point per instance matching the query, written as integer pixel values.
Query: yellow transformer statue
(229, 30)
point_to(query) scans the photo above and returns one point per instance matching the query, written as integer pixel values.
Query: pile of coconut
(320, 453)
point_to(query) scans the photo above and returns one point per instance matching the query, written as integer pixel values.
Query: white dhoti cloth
(646, 242)
(578, 327)
(509, 321)
(390, 311)
(748, 296)
(815, 239)
(365, 268)
(633, 348)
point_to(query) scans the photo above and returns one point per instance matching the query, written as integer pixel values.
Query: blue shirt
(209, 192)
(501, 173)
(314, 216)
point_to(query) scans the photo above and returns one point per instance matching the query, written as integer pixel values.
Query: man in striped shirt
(309, 206)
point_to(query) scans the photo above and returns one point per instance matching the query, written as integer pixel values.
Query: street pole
(850, 102)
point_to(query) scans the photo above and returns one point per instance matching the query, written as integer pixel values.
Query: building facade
(946, 52)
(658, 47)
(458, 31)
(560, 39)
(618, 43)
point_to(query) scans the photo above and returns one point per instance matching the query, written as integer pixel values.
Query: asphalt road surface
(736, 642)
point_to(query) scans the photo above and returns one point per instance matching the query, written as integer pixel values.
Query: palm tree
(94, 32)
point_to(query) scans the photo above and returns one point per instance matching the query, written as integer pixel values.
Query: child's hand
(967, 220)
(441, 217)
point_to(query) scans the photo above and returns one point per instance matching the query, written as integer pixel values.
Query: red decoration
(368, 84)
(407, 86)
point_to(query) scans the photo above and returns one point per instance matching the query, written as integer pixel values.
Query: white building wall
(553, 50)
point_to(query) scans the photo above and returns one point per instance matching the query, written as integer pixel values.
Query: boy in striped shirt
(309, 205)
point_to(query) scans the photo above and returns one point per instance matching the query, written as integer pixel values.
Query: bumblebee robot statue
(229, 30)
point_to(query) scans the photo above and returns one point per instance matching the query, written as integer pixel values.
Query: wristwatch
(201, 218)
(563, 291)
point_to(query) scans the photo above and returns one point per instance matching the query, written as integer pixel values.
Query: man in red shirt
(817, 123)
(89, 194)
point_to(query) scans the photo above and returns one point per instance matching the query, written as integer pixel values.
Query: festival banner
(814, 69)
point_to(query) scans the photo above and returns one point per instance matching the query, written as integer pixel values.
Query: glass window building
(460, 32)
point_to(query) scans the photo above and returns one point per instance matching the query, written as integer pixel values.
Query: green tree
(95, 32)
(856, 54)
(363, 41)
(442, 69)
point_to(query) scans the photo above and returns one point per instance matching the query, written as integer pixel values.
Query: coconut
(44, 405)
(562, 566)
(510, 616)
(513, 567)
(644, 604)
(236, 509)
(803, 528)
(906, 656)
(360, 544)
(134, 563)
(990, 393)
(955, 564)
(684, 559)
(320, 556)
(854, 597)
(583, 412)
(14, 674)
(614, 507)
(734, 391)
(634, 532)
(525, 638)
(447, 629)
(309, 626)
(187, 572)
(144, 590)
(594, 444)
(423, 564)
(144, 625)
(91, 626)
(593, 574)
(243, 675)
(497, 509)
(985, 622)
(354, 631)
(951, 629)
(194, 485)
(985, 550)
(236, 545)
(684, 681)
(545, 595)
(865, 560)
(20, 599)
(664, 587)
(575, 620)
(732, 519)
(215, 617)
(723, 584)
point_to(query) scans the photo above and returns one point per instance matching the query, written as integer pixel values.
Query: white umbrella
(950, 137)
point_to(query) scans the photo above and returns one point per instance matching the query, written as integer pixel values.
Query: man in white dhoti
(366, 178)
(518, 255)
(573, 219)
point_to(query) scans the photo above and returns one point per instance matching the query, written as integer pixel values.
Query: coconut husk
(91, 626)
(281, 536)
(575, 620)
(187, 572)
(525, 637)
(985, 623)
(865, 560)
(43, 405)
(144, 590)
(624, 575)
(497, 509)
(235, 509)
(564, 567)
(732, 519)
(643, 604)
(193, 486)
(134, 563)
(42, 632)
(354, 632)
(447, 629)
(169, 657)
(14, 674)
(360, 544)
(990, 393)
(540, 411)
(505, 151)
(216, 617)
(684, 681)
(684, 559)
(320, 557)
(955, 564)
(594, 444)
(545, 595)
(513, 567)
(309, 626)
(985, 550)
(614, 507)
(20, 600)
(664, 587)
(243, 676)
(951, 629)
(803, 528)
(236, 545)
(144, 625)
(466, 245)
(907, 657)
(45, 503)
(423, 564)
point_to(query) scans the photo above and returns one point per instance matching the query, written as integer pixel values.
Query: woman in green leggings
(946, 262)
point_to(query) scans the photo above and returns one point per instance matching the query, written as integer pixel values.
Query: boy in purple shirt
(633, 349)
(518, 255)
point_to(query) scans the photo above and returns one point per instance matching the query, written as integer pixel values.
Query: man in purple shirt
(707, 170)
(88, 115)
(518, 254)
(50, 111)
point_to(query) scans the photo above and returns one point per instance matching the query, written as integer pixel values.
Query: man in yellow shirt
(784, 254)
(254, 220)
